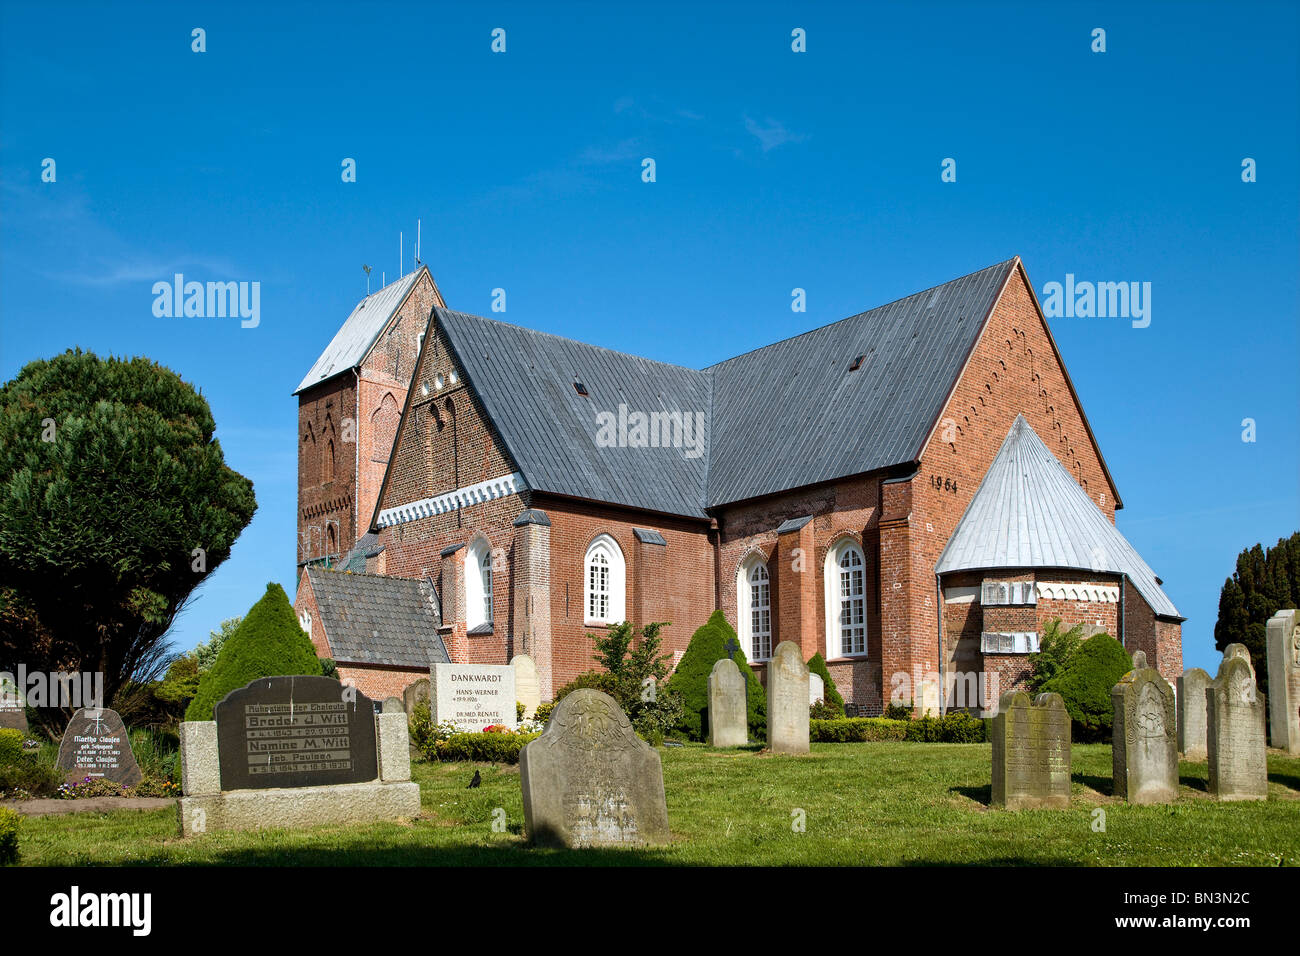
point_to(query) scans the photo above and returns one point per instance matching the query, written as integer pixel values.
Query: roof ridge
(855, 315)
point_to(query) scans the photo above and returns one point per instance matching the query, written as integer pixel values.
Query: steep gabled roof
(356, 336)
(794, 413)
(525, 381)
(373, 619)
(1029, 513)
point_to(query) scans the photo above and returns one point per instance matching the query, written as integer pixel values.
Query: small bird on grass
(476, 781)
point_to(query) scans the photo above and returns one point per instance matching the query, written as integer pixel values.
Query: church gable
(445, 443)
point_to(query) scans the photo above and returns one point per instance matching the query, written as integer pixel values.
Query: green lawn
(876, 804)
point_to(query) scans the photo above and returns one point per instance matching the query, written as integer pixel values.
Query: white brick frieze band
(454, 500)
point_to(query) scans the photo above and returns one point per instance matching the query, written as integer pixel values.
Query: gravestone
(1283, 640)
(1144, 744)
(295, 732)
(1237, 747)
(295, 752)
(787, 700)
(95, 745)
(589, 780)
(816, 688)
(728, 713)
(415, 692)
(393, 705)
(472, 696)
(528, 688)
(1191, 713)
(13, 708)
(1031, 752)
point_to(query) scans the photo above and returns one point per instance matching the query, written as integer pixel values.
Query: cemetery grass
(863, 804)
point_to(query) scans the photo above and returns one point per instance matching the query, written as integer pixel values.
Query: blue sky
(775, 170)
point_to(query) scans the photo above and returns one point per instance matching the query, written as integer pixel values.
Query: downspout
(356, 465)
(1123, 588)
(943, 683)
(716, 534)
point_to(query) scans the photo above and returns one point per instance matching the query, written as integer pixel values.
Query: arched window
(846, 600)
(604, 586)
(478, 584)
(331, 538)
(329, 460)
(754, 607)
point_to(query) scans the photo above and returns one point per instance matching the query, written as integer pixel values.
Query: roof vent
(857, 363)
(579, 387)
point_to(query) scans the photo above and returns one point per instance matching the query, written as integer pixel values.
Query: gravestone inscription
(1031, 752)
(787, 700)
(13, 709)
(95, 745)
(589, 780)
(1144, 742)
(1237, 748)
(297, 731)
(1191, 713)
(473, 696)
(728, 717)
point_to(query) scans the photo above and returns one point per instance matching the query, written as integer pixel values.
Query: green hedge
(852, 730)
(11, 745)
(958, 727)
(1085, 681)
(488, 748)
(9, 822)
(20, 770)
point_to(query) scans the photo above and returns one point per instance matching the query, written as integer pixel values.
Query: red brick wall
(1012, 370)
(325, 503)
(380, 683)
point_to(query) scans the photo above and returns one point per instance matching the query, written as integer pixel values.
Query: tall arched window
(604, 585)
(846, 600)
(478, 584)
(754, 607)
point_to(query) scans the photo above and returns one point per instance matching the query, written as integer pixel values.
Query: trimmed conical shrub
(691, 678)
(267, 643)
(1085, 682)
(830, 695)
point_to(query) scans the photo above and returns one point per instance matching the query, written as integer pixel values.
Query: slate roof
(354, 339)
(373, 619)
(783, 416)
(792, 413)
(525, 380)
(1030, 513)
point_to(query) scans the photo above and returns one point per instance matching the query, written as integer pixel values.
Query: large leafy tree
(115, 504)
(1264, 582)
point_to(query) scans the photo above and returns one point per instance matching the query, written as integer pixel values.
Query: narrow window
(852, 603)
(760, 613)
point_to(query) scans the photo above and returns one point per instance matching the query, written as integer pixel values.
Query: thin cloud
(771, 133)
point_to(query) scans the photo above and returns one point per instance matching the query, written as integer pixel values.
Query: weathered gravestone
(1283, 640)
(528, 688)
(393, 705)
(13, 708)
(1031, 752)
(787, 700)
(295, 751)
(95, 745)
(415, 692)
(1237, 748)
(1144, 744)
(472, 696)
(589, 780)
(728, 713)
(1191, 713)
(816, 688)
(295, 732)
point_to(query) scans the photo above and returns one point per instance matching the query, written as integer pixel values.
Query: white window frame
(605, 548)
(745, 607)
(831, 574)
(478, 584)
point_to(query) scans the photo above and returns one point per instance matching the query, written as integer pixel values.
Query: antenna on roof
(367, 268)
(417, 243)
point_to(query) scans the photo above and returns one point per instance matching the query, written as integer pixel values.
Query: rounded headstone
(95, 745)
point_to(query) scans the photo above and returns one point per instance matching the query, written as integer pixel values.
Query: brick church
(912, 492)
